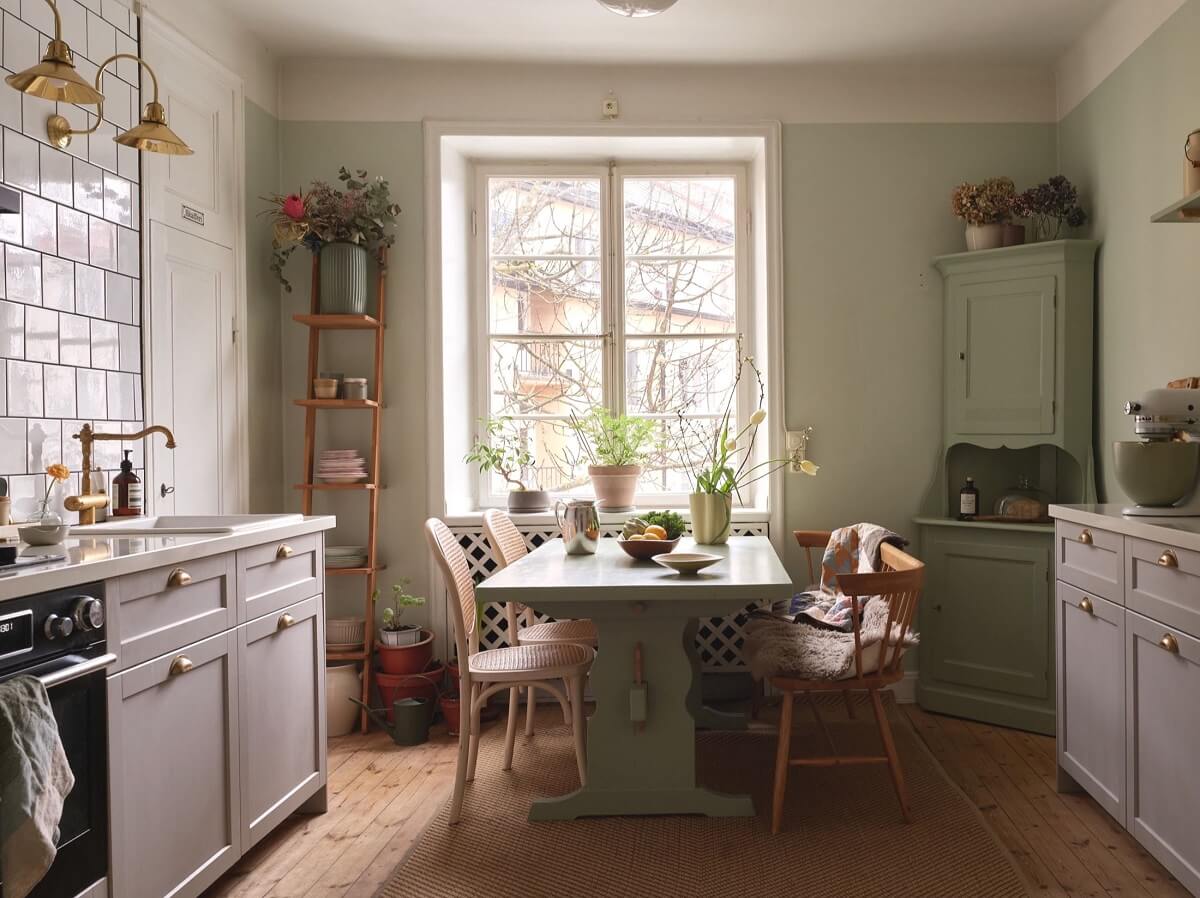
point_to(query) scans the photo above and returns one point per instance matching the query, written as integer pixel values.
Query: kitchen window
(621, 286)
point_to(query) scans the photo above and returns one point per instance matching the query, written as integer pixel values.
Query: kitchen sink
(175, 524)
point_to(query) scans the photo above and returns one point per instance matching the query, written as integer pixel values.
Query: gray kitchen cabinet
(175, 777)
(1091, 724)
(1162, 732)
(281, 660)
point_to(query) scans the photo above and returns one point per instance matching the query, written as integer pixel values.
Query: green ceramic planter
(343, 279)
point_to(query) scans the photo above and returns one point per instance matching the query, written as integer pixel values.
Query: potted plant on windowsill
(726, 464)
(503, 451)
(343, 227)
(616, 446)
(403, 648)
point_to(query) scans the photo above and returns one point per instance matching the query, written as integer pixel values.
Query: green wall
(262, 316)
(1123, 146)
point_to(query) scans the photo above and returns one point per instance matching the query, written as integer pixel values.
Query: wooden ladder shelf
(316, 322)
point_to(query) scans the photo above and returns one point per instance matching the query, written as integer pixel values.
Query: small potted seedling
(403, 648)
(502, 450)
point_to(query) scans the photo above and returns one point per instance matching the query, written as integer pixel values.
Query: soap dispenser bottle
(127, 490)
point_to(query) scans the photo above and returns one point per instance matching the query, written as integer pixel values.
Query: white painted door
(193, 382)
(199, 194)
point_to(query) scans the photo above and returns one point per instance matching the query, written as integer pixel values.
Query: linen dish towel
(35, 779)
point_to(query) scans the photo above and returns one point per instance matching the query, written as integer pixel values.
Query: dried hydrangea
(1049, 206)
(988, 203)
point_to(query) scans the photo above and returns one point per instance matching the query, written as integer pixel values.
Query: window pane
(680, 296)
(544, 216)
(679, 216)
(548, 296)
(536, 377)
(666, 469)
(559, 465)
(669, 376)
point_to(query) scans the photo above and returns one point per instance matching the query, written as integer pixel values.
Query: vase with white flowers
(726, 465)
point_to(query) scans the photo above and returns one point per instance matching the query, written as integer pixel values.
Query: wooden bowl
(645, 549)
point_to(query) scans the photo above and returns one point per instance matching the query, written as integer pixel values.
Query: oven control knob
(88, 614)
(58, 627)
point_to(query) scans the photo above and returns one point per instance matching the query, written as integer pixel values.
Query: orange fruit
(655, 532)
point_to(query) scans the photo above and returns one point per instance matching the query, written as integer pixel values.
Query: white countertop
(92, 558)
(1181, 532)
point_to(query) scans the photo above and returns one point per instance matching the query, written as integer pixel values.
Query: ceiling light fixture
(636, 9)
(55, 77)
(150, 134)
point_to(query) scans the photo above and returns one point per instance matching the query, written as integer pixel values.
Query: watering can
(410, 719)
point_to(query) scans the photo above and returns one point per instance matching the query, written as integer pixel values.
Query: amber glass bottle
(127, 490)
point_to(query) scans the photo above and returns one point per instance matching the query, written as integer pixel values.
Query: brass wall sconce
(150, 134)
(55, 77)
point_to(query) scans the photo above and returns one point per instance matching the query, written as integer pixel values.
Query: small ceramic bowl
(37, 535)
(325, 388)
(645, 549)
(687, 562)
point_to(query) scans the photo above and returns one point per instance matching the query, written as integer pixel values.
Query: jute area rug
(843, 836)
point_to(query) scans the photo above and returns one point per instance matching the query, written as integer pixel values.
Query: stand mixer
(1160, 471)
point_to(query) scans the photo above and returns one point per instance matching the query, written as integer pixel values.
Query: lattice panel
(719, 640)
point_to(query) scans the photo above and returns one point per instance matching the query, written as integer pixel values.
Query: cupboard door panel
(1091, 688)
(1002, 369)
(1162, 732)
(281, 665)
(174, 771)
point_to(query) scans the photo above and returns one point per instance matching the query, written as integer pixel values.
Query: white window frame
(612, 334)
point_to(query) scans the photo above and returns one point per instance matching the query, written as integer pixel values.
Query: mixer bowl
(1156, 474)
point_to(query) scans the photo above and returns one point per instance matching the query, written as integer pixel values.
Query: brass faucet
(87, 502)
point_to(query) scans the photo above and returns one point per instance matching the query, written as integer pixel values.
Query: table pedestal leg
(706, 718)
(649, 769)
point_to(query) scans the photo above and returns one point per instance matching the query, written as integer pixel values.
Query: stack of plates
(345, 556)
(342, 466)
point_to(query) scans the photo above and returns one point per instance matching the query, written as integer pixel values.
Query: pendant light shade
(636, 9)
(152, 134)
(55, 77)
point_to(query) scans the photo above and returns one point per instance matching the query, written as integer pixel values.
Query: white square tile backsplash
(70, 263)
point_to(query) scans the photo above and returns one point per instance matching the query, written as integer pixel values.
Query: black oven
(59, 638)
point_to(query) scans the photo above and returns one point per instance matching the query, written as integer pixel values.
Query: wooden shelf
(359, 655)
(1185, 211)
(353, 571)
(335, 486)
(336, 403)
(339, 322)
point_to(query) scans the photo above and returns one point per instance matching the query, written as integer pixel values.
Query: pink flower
(293, 206)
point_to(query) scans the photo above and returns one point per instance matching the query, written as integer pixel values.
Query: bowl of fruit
(654, 533)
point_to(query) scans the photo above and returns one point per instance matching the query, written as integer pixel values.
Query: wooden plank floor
(381, 797)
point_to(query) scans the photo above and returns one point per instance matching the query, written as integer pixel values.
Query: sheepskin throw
(774, 647)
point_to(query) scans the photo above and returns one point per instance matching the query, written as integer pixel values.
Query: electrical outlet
(610, 107)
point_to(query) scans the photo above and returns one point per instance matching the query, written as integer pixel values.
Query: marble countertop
(92, 558)
(1181, 532)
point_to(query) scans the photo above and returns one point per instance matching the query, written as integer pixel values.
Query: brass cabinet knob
(180, 665)
(285, 621)
(179, 577)
(1085, 536)
(1168, 559)
(1085, 605)
(285, 551)
(1170, 643)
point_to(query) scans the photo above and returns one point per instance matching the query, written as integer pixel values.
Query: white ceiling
(693, 31)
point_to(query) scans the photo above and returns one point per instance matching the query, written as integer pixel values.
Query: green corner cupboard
(1017, 362)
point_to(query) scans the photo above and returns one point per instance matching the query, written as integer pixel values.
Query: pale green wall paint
(866, 207)
(315, 150)
(262, 317)
(1123, 146)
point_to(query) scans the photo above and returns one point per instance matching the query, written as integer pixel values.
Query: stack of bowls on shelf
(337, 557)
(342, 466)
(345, 634)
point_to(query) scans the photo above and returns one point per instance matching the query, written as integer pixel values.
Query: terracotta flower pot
(450, 710)
(712, 515)
(614, 485)
(406, 659)
(987, 236)
(423, 685)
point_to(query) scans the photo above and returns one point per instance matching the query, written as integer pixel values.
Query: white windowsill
(472, 518)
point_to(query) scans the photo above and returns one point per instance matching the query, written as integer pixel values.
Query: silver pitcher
(580, 525)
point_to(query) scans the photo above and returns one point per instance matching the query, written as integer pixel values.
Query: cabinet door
(174, 771)
(1162, 732)
(1001, 372)
(990, 616)
(282, 667)
(1091, 695)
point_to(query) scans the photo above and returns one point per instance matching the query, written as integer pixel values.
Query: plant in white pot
(616, 446)
(724, 466)
(986, 208)
(503, 450)
(393, 631)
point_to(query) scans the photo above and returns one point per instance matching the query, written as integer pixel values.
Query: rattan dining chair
(508, 545)
(899, 584)
(547, 667)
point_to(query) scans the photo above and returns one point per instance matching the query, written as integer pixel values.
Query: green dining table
(641, 741)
